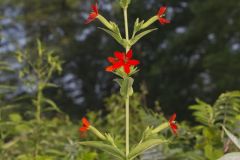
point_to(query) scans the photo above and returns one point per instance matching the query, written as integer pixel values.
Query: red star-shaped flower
(160, 15)
(172, 123)
(93, 15)
(85, 125)
(122, 60)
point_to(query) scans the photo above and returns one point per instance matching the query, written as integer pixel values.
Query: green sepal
(140, 148)
(126, 89)
(140, 35)
(105, 147)
(124, 3)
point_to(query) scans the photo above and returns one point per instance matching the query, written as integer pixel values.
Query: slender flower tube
(93, 15)
(172, 123)
(122, 60)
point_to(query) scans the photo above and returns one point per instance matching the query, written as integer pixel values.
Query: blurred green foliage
(195, 56)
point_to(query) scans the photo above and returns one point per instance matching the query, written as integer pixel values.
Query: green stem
(127, 126)
(127, 98)
(126, 27)
(38, 104)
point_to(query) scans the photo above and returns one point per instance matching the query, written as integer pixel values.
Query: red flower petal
(85, 122)
(109, 69)
(163, 21)
(127, 68)
(117, 65)
(162, 10)
(111, 60)
(172, 118)
(92, 16)
(129, 54)
(95, 8)
(83, 129)
(133, 62)
(174, 128)
(119, 55)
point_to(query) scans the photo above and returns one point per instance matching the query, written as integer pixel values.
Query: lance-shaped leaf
(140, 148)
(116, 36)
(140, 35)
(234, 139)
(231, 156)
(52, 104)
(105, 147)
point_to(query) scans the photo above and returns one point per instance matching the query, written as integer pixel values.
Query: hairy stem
(127, 125)
(38, 104)
(127, 98)
(126, 27)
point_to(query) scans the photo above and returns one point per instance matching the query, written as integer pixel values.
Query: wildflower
(172, 123)
(160, 15)
(122, 60)
(85, 125)
(93, 15)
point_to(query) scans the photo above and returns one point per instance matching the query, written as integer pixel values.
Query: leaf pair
(114, 151)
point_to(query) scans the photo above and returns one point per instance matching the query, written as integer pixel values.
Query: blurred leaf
(234, 139)
(140, 35)
(105, 147)
(140, 148)
(15, 117)
(231, 156)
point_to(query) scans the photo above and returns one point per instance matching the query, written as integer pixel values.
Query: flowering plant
(124, 66)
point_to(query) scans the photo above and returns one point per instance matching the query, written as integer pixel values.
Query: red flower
(122, 60)
(93, 15)
(172, 123)
(85, 125)
(160, 14)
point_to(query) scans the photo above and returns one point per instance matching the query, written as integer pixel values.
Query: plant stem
(38, 104)
(127, 126)
(127, 98)
(126, 27)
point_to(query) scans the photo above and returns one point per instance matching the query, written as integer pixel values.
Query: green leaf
(52, 104)
(105, 147)
(234, 139)
(15, 117)
(231, 156)
(140, 35)
(140, 148)
(114, 35)
(126, 88)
